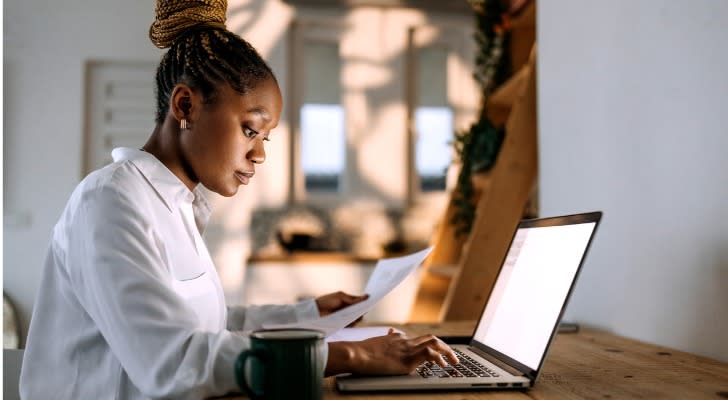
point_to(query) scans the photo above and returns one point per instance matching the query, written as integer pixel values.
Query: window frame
(462, 95)
(456, 41)
(320, 29)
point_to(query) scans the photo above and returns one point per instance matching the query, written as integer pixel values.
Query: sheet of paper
(387, 275)
(359, 333)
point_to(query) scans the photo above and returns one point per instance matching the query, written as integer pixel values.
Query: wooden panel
(428, 306)
(433, 288)
(523, 29)
(314, 257)
(499, 209)
(446, 255)
(590, 364)
(595, 364)
(430, 294)
(331, 393)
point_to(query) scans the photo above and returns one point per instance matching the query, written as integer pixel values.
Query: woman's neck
(164, 144)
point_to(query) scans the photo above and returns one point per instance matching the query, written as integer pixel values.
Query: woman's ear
(184, 102)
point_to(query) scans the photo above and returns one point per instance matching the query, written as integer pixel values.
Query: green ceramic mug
(283, 364)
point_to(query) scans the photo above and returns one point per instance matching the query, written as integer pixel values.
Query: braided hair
(202, 53)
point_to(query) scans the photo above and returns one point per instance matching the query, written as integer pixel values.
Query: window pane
(322, 118)
(433, 153)
(433, 119)
(322, 147)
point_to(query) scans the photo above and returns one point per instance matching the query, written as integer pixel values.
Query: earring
(183, 125)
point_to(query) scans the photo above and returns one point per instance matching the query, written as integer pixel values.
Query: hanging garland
(477, 148)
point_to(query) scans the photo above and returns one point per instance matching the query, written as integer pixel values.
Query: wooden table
(590, 365)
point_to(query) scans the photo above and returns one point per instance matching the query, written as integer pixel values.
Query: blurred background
(631, 121)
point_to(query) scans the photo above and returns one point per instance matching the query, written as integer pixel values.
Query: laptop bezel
(571, 219)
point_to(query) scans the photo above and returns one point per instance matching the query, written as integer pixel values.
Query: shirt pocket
(182, 264)
(187, 270)
(200, 295)
(193, 287)
(188, 278)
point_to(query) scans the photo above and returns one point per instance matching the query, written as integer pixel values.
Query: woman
(130, 305)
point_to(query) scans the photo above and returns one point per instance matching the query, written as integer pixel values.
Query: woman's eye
(249, 132)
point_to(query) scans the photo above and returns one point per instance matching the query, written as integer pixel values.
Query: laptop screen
(531, 289)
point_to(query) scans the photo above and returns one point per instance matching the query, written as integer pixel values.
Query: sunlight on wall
(385, 172)
(363, 74)
(229, 258)
(228, 232)
(262, 23)
(275, 283)
(380, 33)
(373, 48)
(462, 93)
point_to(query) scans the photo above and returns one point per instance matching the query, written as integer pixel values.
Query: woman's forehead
(264, 99)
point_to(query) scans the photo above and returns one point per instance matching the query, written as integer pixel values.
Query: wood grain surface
(590, 364)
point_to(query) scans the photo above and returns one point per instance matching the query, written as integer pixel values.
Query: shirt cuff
(306, 309)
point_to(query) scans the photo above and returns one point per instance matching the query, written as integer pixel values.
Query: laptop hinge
(496, 361)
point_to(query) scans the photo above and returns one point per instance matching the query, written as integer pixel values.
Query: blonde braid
(175, 17)
(202, 53)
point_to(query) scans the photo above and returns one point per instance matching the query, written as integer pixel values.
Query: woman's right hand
(391, 354)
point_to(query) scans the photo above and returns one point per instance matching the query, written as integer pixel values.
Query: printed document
(387, 275)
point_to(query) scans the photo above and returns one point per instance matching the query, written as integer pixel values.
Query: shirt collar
(170, 188)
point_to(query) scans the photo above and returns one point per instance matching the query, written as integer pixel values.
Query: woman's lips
(244, 177)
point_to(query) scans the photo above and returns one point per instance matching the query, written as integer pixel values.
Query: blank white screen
(531, 289)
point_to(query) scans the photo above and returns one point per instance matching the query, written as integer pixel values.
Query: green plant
(477, 148)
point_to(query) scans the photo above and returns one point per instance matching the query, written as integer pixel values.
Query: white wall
(46, 49)
(633, 101)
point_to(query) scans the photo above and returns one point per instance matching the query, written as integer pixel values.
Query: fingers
(394, 354)
(356, 321)
(334, 301)
(395, 332)
(351, 299)
(431, 348)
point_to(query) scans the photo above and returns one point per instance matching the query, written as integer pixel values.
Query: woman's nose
(257, 153)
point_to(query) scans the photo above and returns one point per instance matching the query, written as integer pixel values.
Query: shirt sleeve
(116, 269)
(253, 317)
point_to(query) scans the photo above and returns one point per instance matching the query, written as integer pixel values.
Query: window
(375, 102)
(433, 119)
(322, 118)
(433, 154)
(322, 145)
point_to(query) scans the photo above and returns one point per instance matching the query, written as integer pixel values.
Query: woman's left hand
(336, 301)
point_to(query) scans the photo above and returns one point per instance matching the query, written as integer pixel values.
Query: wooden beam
(499, 209)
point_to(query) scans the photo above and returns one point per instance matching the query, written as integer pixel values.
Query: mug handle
(240, 372)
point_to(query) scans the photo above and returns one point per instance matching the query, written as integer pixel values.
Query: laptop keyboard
(468, 368)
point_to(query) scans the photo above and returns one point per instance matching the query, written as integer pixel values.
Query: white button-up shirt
(130, 305)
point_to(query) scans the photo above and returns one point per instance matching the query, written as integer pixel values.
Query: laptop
(520, 318)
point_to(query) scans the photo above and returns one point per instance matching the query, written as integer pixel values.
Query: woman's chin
(226, 190)
(230, 193)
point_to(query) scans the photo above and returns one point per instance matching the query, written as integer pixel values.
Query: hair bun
(174, 17)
